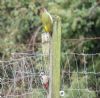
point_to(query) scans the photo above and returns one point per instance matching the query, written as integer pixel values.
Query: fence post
(46, 49)
(56, 49)
(46, 55)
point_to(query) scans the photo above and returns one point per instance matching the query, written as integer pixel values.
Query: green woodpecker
(46, 20)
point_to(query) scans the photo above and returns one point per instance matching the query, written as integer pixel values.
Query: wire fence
(20, 76)
(80, 74)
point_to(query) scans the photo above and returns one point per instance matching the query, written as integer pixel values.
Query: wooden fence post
(56, 50)
(54, 65)
(46, 49)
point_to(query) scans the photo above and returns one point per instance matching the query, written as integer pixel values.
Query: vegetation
(19, 22)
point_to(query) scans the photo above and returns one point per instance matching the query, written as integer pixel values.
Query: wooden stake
(56, 49)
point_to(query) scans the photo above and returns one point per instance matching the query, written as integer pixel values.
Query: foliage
(18, 20)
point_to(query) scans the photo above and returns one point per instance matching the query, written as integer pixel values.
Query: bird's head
(41, 10)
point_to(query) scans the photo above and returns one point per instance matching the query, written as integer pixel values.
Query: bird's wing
(46, 18)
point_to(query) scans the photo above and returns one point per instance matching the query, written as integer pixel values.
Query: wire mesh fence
(80, 72)
(20, 76)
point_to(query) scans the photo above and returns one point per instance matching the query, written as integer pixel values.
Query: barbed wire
(82, 39)
(67, 39)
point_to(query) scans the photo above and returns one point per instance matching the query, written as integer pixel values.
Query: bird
(46, 20)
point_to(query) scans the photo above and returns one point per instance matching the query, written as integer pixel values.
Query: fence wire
(20, 76)
(81, 75)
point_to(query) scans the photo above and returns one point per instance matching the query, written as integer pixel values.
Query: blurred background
(20, 23)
